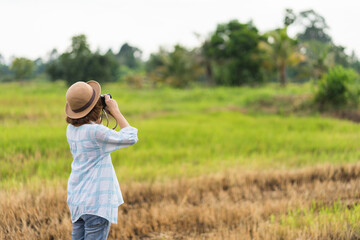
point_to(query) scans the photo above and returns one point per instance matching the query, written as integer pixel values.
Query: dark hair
(93, 115)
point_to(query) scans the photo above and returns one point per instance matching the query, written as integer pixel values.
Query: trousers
(90, 227)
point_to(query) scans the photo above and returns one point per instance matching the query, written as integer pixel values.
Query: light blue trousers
(90, 227)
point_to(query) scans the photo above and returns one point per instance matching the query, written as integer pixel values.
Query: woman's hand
(111, 106)
(113, 109)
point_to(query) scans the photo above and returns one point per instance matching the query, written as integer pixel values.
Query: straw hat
(81, 98)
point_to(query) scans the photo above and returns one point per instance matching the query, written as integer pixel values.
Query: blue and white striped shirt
(93, 187)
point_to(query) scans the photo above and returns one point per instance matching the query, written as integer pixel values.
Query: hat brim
(96, 86)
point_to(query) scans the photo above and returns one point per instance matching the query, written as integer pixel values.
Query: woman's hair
(93, 115)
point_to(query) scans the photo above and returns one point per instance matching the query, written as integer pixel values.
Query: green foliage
(315, 27)
(233, 51)
(337, 87)
(102, 68)
(178, 68)
(22, 67)
(80, 64)
(320, 216)
(5, 74)
(319, 57)
(282, 51)
(124, 72)
(134, 81)
(316, 45)
(234, 54)
(290, 17)
(340, 57)
(40, 66)
(129, 56)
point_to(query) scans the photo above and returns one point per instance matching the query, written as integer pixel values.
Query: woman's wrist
(121, 120)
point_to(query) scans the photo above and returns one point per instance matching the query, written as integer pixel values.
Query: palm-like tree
(282, 50)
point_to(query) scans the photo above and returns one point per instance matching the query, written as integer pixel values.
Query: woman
(93, 193)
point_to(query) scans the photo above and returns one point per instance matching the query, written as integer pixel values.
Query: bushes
(338, 87)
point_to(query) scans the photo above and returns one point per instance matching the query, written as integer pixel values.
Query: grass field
(214, 162)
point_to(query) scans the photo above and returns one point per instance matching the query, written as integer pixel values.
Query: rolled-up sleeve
(110, 140)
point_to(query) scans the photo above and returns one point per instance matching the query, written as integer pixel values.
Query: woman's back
(93, 187)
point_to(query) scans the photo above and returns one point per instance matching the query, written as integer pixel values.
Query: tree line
(233, 54)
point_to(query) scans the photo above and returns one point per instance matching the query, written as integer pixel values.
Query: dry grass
(245, 205)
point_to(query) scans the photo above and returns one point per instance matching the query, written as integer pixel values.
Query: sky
(32, 29)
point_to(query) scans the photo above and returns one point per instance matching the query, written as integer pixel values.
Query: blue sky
(33, 28)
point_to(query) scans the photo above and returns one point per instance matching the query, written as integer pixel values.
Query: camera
(104, 112)
(102, 96)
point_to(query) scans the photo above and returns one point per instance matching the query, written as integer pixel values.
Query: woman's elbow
(135, 140)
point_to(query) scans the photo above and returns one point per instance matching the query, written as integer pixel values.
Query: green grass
(319, 219)
(181, 133)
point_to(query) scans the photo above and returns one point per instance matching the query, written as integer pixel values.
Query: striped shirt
(93, 187)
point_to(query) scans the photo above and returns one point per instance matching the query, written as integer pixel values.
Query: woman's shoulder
(90, 127)
(83, 126)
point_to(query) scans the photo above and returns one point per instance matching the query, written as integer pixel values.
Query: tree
(5, 73)
(80, 64)
(354, 62)
(129, 56)
(321, 53)
(233, 52)
(177, 68)
(282, 50)
(53, 55)
(319, 58)
(182, 67)
(340, 57)
(2, 60)
(156, 60)
(22, 67)
(102, 67)
(79, 46)
(2, 65)
(290, 17)
(40, 66)
(315, 44)
(315, 27)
